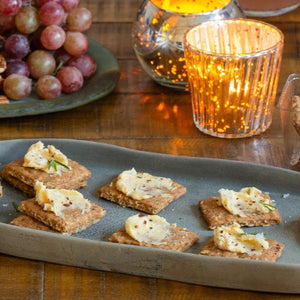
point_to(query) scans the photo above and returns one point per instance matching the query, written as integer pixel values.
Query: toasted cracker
(24, 178)
(179, 239)
(29, 222)
(73, 221)
(151, 205)
(216, 215)
(271, 254)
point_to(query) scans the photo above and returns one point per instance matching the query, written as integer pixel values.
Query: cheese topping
(58, 200)
(149, 229)
(141, 186)
(247, 200)
(49, 159)
(233, 238)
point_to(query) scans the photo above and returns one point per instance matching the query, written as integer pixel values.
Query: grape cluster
(44, 44)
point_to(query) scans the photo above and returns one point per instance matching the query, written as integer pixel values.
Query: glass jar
(159, 30)
(268, 8)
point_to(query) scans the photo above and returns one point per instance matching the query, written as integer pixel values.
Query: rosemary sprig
(15, 205)
(250, 233)
(268, 206)
(53, 163)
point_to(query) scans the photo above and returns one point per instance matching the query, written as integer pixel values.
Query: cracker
(29, 222)
(73, 221)
(1, 191)
(151, 205)
(271, 254)
(23, 178)
(179, 239)
(216, 215)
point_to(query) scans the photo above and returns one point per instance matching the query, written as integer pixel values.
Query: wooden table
(142, 115)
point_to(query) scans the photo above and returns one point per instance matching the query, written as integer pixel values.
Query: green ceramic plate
(101, 84)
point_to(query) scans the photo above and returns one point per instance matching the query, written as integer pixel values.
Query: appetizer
(232, 241)
(65, 211)
(45, 164)
(155, 232)
(142, 191)
(247, 207)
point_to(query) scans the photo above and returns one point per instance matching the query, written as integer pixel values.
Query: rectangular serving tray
(203, 178)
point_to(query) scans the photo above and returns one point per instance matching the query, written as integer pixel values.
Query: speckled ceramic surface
(203, 178)
(96, 87)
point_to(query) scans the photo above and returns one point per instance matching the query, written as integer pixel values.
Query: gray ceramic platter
(94, 88)
(203, 178)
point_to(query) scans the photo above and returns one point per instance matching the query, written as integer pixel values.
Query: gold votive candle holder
(159, 30)
(233, 69)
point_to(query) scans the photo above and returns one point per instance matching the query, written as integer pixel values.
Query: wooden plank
(21, 278)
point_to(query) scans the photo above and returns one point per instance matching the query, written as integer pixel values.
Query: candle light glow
(158, 34)
(233, 80)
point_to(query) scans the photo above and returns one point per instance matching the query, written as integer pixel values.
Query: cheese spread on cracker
(149, 229)
(247, 200)
(141, 186)
(233, 238)
(48, 159)
(58, 200)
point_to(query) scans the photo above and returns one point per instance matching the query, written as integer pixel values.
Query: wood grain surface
(142, 115)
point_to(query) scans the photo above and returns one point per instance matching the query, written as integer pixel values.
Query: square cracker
(151, 205)
(73, 221)
(216, 215)
(29, 222)
(24, 178)
(271, 254)
(179, 239)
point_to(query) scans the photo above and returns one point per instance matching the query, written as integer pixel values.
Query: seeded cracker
(271, 254)
(73, 221)
(29, 222)
(24, 178)
(216, 215)
(155, 232)
(151, 205)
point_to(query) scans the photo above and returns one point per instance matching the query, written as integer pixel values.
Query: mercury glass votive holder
(159, 30)
(233, 69)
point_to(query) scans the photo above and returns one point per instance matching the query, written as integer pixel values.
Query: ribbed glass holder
(233, 69)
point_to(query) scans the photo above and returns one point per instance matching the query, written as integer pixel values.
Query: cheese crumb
(149, 229)
(141, 186)
(39, 157)
(232, 238)
(247, 200)
(58, 200)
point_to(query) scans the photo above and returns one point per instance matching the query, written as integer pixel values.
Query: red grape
(52, 13)
(16, 67)
(48, 87)
(85, 64)
(27, 20)
(17, 86)
(6, 23)
(17, 46)
(42, 2)
(71, 79)
(41, 62)
(70, 4)
(75, 43)
(53, 37)
(10, 7)
(79, 19)
(62, 56)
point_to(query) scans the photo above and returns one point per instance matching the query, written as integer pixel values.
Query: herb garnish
(269, 206)
(251, 233)
(15, 205)
(53, 163)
